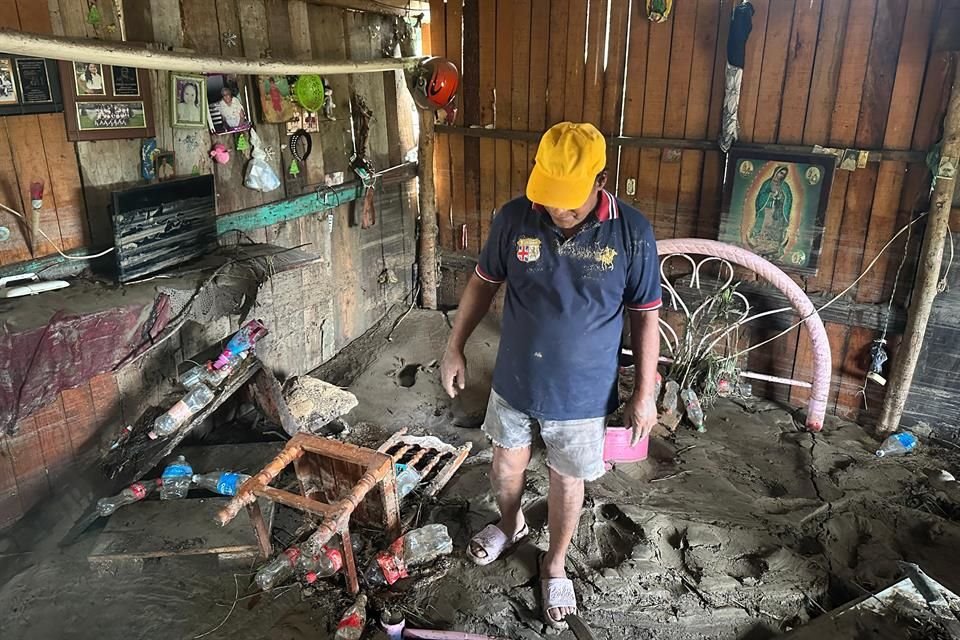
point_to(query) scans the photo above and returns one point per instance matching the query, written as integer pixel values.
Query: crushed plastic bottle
(326, 562)
(353, 621)
(897, 444)
(191, 404)
(134, 493)
(223, 482)
(694, 410)
(242, 340)
(669, 404)
(192, 376)
(176, 478)
(407, 479)
(417, 547)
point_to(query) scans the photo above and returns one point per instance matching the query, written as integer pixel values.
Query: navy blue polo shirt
(565, 301)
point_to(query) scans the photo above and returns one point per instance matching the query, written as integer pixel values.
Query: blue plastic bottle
(897, 445)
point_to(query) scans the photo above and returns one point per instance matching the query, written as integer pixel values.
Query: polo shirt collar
(605, 210)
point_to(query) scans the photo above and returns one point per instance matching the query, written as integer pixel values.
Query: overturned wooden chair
(339, 482)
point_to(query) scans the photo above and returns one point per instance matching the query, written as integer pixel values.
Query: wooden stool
(338, 481)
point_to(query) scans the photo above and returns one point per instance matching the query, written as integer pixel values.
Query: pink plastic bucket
(617, 449)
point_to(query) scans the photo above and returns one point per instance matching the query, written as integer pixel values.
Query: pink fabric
(822, 362)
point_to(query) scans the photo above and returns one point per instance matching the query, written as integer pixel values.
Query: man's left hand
(640, 414)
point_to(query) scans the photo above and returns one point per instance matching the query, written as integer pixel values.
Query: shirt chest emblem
(528, 249)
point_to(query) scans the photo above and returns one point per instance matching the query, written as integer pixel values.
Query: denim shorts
(574, 447)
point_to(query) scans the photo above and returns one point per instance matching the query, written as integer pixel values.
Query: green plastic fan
(309, 92)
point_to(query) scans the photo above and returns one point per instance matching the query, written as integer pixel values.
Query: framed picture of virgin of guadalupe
(775, 204)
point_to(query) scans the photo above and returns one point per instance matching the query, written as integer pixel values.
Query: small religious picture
(189, 100)
(94, 116)
(276, 103)
(775, 205)
(89, 78)
(125, 81)
(8, 82)
(165, 165)
(226, 112)
(34, 81)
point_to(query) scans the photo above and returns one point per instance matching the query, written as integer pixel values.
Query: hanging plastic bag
(260, 175)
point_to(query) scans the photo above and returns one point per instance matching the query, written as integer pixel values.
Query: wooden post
(928, 271)
(428, 213)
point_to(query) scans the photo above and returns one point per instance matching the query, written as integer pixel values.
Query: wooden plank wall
(312, 312)
(838, 73)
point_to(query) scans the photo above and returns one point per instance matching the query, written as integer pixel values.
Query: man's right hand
(453, 372)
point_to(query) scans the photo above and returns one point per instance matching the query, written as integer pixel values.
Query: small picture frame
(226, 112)
(165, 165)
(276, 100)
(100, 116)
(188, 101)
(88, 79)
(125, 82)
(8, 82)
(106, 103)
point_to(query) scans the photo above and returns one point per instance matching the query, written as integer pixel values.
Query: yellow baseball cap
(569, 158)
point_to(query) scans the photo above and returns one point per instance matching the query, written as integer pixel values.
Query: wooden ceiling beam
(128, 55)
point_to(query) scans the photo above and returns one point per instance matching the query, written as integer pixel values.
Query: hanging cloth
(741, 23)
(659, 10)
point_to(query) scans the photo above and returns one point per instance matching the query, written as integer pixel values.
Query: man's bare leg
(507, 478)
(564, 502)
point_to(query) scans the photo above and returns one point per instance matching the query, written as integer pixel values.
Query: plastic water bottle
(223, 482)
(134, 493)
(354, 620)
(694, 410)
(897, 444)
(312, 566)
(407, 480)
(175, 481)
(191, 404)
(671, 388)
(242, 340)
(417, 547)
(192, 376)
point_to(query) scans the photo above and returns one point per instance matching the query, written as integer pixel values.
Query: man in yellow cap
(574, 258)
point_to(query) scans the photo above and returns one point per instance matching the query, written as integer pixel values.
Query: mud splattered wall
(865, 74)
(314, 311)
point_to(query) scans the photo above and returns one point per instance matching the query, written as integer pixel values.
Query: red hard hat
(435, 83)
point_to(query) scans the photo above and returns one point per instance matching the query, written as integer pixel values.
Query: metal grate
(161, 225)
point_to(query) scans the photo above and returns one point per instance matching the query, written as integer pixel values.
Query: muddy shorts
(574, 447)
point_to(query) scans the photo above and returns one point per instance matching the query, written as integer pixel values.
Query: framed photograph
(28, 85)
(8, 82)
(96, 116)
(309, 121)
(125, 82)
(226, 112)
(188, 101)
(775, 204)
(165, 163)
(88, 79)
(100, 103)
(276, 103)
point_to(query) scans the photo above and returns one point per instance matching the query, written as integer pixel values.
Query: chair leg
(349, 564)
(260, 528)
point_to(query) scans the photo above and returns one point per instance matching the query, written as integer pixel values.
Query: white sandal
(555, 593)
(494, 543)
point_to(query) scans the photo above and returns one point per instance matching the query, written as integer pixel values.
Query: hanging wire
(50, 240)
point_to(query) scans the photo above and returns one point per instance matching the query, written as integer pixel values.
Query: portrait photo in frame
(188, 101)
(775, 205)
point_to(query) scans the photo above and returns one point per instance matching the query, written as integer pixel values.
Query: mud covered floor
(746, 532)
